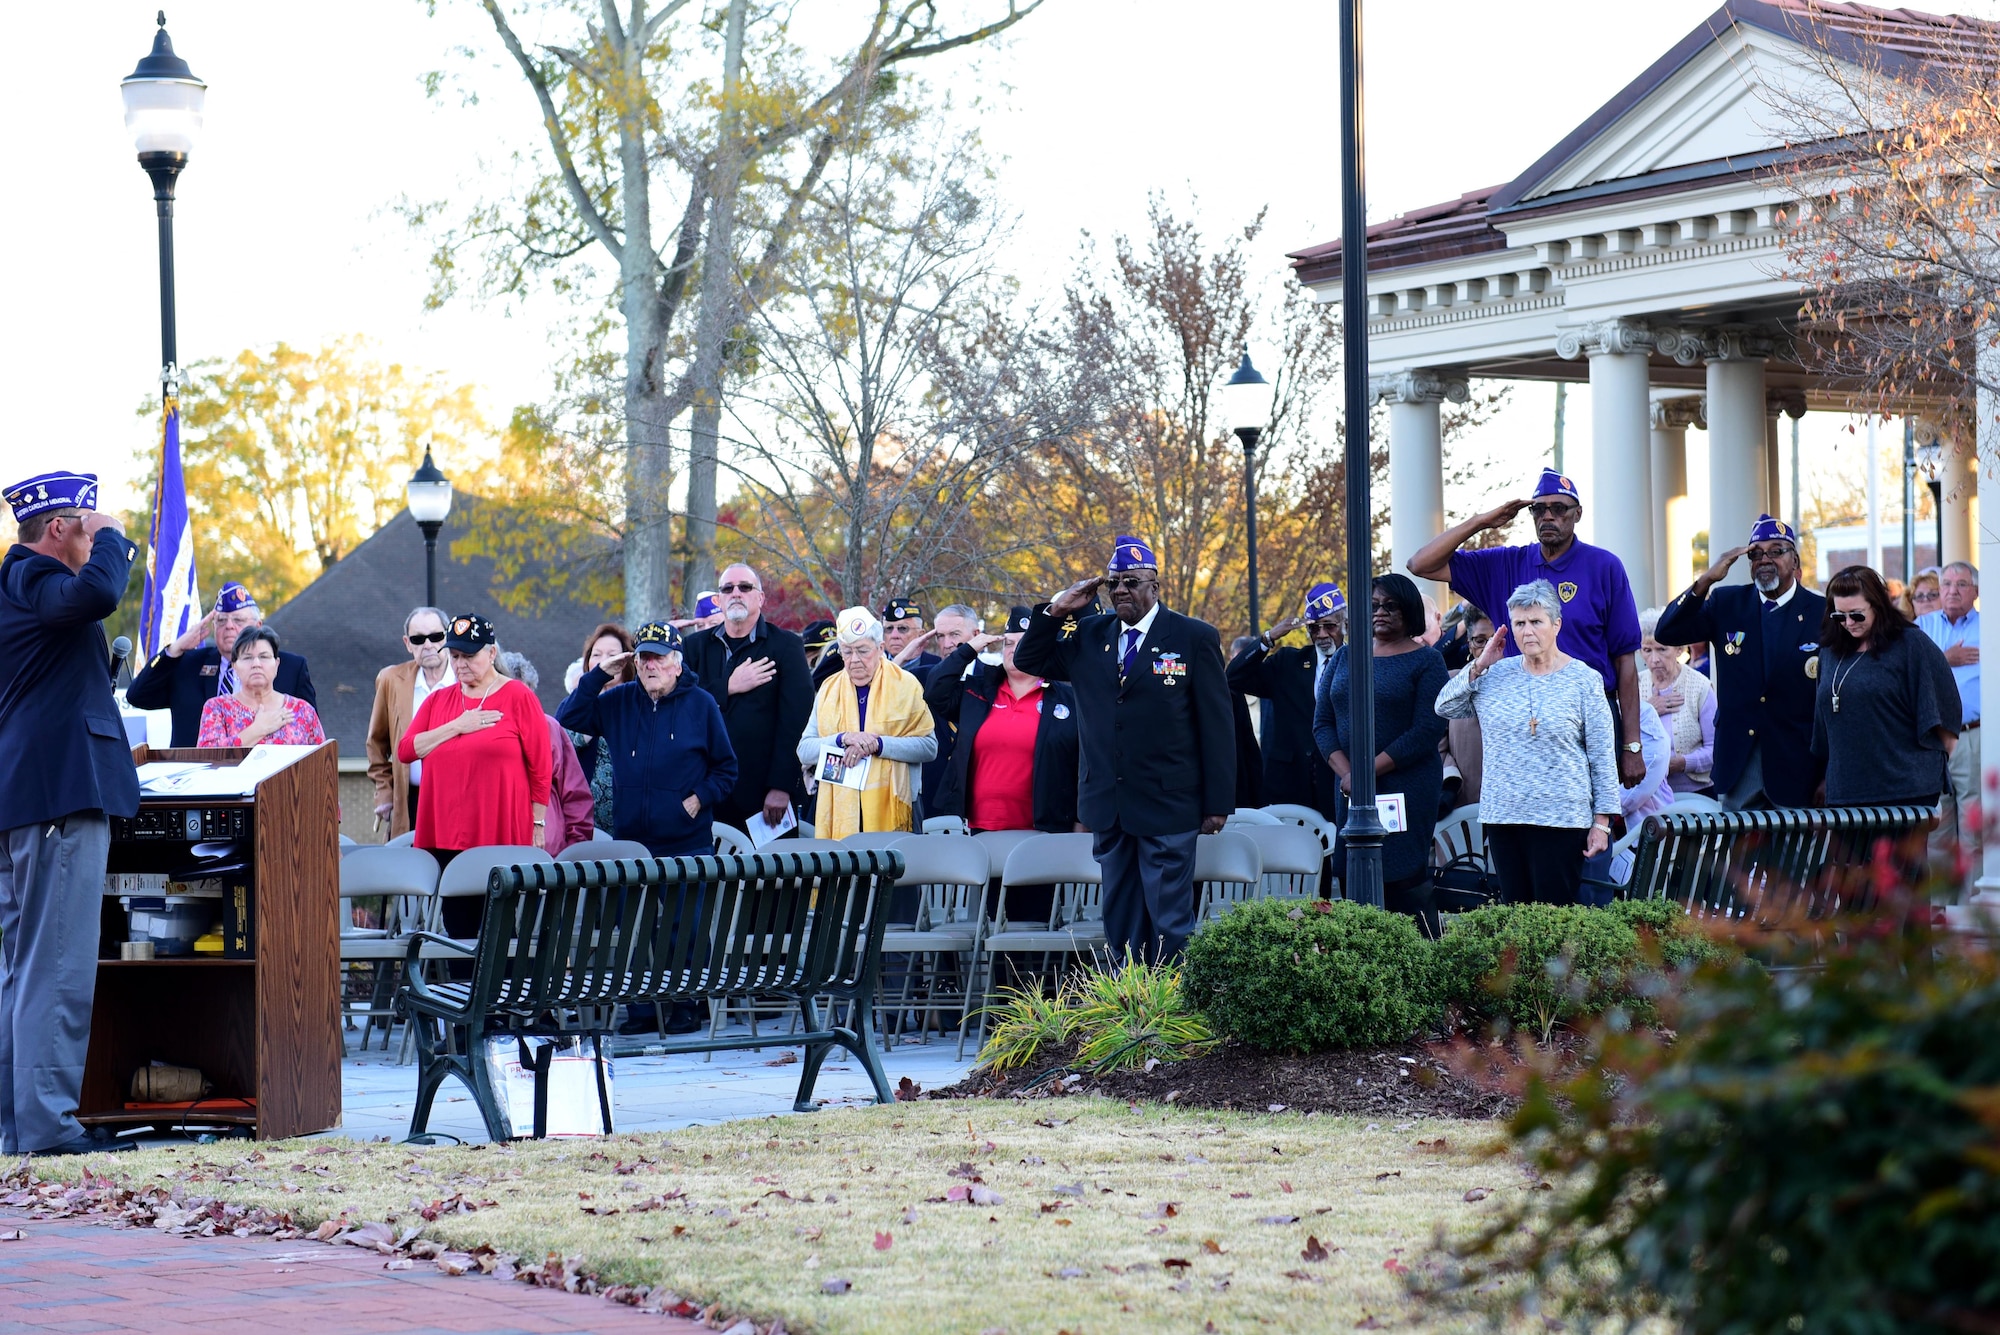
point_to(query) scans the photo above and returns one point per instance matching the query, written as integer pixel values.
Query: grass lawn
(1106, 1218)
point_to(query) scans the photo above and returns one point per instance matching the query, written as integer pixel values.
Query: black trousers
(1536, 864)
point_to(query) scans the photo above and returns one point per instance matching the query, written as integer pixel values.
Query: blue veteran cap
(1019, 616)
(704, 604)
(1553, 483)
(52, 491)
(233, 598)
(1323, 601)
(656, 637)
(1767, 529)
(1128, 553)
(900, 609)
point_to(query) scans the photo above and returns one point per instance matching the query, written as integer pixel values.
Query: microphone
(121, 649)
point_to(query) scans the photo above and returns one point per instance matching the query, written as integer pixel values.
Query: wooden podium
(263, 1025)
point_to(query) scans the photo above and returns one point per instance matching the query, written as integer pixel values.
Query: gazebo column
(1416, 460)
(1987, 424)
(1673, 518)
(1961, 485)
(1620, 441)
(1738, 440)
(1787, 403)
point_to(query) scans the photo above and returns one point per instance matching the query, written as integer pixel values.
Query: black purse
(1465, 883)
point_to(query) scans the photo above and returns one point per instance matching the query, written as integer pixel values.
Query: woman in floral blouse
(254, 712)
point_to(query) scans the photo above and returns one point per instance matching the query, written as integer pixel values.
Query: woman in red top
(485, 747)
(1014, 757)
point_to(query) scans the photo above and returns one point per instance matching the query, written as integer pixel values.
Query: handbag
(1465, 883)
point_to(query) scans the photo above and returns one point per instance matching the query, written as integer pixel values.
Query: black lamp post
(1363, 834)
(429, 494)
(1247, 398)
(163, 102)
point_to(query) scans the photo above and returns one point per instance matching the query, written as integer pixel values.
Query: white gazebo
(1644, 253)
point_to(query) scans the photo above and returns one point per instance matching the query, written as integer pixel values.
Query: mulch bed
(1401, 1080)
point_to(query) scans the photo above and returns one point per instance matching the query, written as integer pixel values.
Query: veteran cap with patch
(468, 633)
(656, 637)
(51, 491)
(901, 609)
(1323, 601)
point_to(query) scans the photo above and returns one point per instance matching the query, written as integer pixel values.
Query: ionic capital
(1680, 413)
(1790, 402)
(1418, 387)
(1606, 336)
(1729, 343)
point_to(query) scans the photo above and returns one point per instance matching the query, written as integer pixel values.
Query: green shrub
(1682, 944)
(1307, 977)
(1117, 1017)
(1814, 1149)
(1536, 965)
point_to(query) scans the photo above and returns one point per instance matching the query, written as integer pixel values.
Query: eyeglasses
(1552, 510)
(736, 588)
(1768, 553)
(1854, 617)
(434, 637)
(1119, 582)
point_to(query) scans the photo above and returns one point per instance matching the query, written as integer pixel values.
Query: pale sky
(317, 124)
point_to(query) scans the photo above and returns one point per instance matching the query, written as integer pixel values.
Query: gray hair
(519, 668)
(957, 610)
(444, 622)
(1970, 569)
(1536, 593)
(1649, 622)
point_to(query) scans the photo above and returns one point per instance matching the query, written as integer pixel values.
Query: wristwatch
(1634, 747)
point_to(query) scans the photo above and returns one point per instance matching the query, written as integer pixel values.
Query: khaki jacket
(387, 722)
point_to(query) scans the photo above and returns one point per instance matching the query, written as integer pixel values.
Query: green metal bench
(1763, 864)
(562, 944)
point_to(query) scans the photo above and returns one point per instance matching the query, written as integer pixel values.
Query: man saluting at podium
(1158, 760)
(69, 769)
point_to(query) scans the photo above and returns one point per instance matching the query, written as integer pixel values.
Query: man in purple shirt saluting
(1600, 622)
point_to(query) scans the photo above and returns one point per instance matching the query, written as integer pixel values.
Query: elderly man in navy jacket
(191, 671)
(1294, 770)
(68, 769)
(1158, 743)
(1763, 640)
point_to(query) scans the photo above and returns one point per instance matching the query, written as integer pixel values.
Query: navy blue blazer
(1294, 769)
(59, 724)
(1764, 691)
(187, 683)
(1159, 746)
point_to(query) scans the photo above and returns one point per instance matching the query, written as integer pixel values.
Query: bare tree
(625, 120)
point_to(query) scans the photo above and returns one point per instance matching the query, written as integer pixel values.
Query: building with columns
(1644, 254)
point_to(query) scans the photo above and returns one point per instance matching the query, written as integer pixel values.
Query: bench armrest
(413, 973)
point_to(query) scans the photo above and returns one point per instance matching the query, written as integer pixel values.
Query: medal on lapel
(1733, 644)
(1169, 668)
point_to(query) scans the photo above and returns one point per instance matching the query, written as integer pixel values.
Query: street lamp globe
(1246, 398)
(429, 493)
(163, 101)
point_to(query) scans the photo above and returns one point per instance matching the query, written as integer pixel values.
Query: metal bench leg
(865, 1047)
(815, 1054)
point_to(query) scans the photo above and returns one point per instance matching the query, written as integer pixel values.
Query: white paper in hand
(1389, 806)
(762, 832)
(833, 768)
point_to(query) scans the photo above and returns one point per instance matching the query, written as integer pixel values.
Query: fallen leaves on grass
(884, 1241)
(1477, 1194)
(1315, 1250)
(835, 1286)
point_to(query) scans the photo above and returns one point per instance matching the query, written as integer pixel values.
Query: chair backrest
(1291, 813)
(946, 825)
(468, 872)
(1000, 844)
(407, 839)
(1064, 861)
(600, 835)
(1458, 835)
(1229, 856)
(1690, 803)
(1287, 851)
(953, 874)
(1251, 816)
(1745, 863)
(346, 844)
(730, 840)
(806, 830)
(602, 850)
(874, 838)
(809, 846)
(388, 871)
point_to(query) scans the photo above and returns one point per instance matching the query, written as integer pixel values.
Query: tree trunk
(648, 466)
(718, 315)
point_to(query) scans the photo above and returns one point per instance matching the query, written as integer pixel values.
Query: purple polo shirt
(1599, 620)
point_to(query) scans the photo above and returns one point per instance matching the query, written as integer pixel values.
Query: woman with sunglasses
(1888, 708)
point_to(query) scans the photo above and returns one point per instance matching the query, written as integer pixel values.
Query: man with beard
(1294, 770)
(1158, 747)
(1600, 622)
(757, 672)
(1766, 662)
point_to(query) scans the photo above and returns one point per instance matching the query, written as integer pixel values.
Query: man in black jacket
(964, 700)
(1158, 746)
(758, 673)
(1294, 770)
(188, 673)
(1765, 635)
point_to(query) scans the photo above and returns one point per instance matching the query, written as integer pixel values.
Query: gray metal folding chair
(1250, 816)
(1227, 871)
(950, 879)
(1291, 859)
(1075, 922)
(407, 880)
(606, 849)
(946, 825)
(730, 841)
(866, 839)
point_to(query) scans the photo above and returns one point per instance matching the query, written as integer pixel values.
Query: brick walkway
(74, 1276)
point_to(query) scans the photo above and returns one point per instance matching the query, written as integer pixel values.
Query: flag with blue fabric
(173, 600)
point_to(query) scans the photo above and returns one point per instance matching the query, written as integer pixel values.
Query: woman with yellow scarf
(871, 713)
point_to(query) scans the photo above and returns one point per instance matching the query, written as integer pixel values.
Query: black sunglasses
(1855, 617)
(1127, 582)
(736, 588)
(1551, 510)
(435, 637)
(1768, 553)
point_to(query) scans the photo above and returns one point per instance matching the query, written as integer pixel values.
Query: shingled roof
(348, 623)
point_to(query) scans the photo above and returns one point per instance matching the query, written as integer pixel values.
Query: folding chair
(1227, 871)
(949, 878)
(606, 849)
(866, 839)
(946, 825)
(407, 879)
(730, 840)
(1075, 923)
(1250, 816)
(1291, 858)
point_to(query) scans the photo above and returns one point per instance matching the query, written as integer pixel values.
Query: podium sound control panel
(189, 825)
